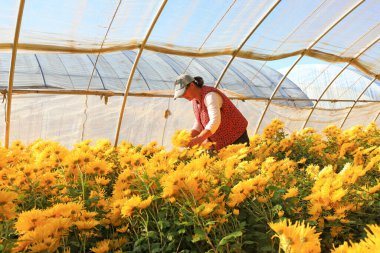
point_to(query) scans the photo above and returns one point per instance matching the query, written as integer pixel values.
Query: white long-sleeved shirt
(213, 101)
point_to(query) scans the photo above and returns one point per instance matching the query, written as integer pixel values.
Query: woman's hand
(194, 133)
(200, 138)
(195, 141)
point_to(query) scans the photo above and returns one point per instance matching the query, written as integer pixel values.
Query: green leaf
(170, 236)
(249, 242)
(272, 187)
(185, 223)
(163, 224)
(59, 187)
(266, 248)
(210, 223)
(199, 235)
(230, 237)
(276, 208)
(156, 247)
(152, 234)
(259, 235)
(181, 231)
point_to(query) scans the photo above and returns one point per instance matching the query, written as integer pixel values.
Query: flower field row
(302, 192)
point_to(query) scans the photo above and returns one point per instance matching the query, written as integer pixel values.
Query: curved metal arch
(68, 74)
(374, 120)
(356, 100)
(333, 80)
(299, 58)
(256, 75)
(289, 35)
(211, 32)
(166, 58)
(150, 65)
(245, 41)
(12, 72)
(113, 70)
(129, 82)
(242, 77)
(42, 73)
(97, 71)
(142, 76)
(168, 63)
(205, 67)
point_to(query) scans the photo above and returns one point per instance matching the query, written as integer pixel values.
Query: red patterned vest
(232, 125)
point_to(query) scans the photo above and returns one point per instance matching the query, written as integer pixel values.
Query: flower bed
(303, 192)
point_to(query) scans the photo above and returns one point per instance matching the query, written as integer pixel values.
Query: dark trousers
(243, 139)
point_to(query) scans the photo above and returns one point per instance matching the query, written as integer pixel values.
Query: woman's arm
(213, 102)
(196, 130)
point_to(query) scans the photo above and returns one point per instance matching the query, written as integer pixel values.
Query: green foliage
(181, 220)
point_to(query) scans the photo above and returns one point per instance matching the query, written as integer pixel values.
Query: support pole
(130, 78)
(12, 72)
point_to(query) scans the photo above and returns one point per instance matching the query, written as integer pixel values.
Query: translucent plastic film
(340, 29)
(63, 118)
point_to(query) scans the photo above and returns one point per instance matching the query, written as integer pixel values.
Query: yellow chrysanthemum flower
(29, 220)
(45, 245)
(67, 210)
(7, 207)
(145, 203)
(369, 244)
(102, 180)
(181, 138)
(86, 224)
(273, 128)
(292, 192)
(297, 238)
(97, 167)
(135, 202)
(101, 247)
(205, 209)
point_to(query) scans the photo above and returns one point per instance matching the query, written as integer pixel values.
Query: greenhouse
(97, 156)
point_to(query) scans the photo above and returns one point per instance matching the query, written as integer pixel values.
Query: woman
(217, 118)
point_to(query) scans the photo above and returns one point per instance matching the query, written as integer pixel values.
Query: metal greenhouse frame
(232, 52)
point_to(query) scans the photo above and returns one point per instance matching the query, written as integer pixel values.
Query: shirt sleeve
(213, 102)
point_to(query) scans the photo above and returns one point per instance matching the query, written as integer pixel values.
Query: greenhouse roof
(56, 56)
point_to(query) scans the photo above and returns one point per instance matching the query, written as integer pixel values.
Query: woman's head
(182, 84)
(198, 81)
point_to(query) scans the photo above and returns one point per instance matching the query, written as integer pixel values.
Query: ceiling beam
(167, 94)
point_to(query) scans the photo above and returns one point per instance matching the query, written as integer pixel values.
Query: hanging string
(4, 93)
(94, 68)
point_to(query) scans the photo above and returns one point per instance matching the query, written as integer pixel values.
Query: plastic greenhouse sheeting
(73, 70)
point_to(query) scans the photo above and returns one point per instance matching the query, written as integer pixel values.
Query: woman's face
(189, 94)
